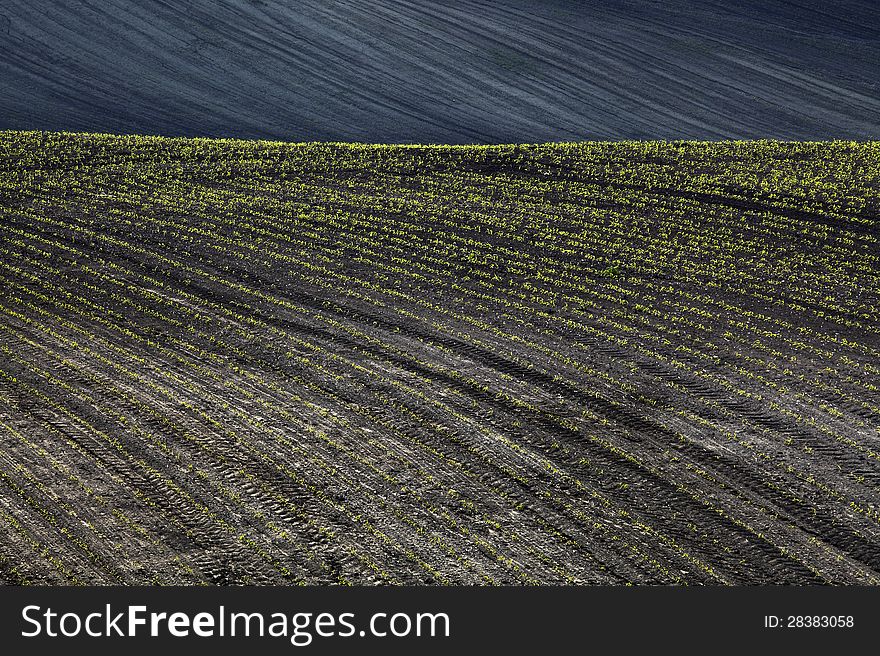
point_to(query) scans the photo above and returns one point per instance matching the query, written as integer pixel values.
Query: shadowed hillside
(451, 72)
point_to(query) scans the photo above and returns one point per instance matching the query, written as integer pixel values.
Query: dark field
(443, 71)
(251, 362)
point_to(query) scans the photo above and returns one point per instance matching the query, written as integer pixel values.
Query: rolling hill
(259, 362)
(394, 71)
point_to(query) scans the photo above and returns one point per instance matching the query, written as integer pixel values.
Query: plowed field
(253, 362)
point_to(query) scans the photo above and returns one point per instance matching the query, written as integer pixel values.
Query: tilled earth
(453, 71)
(263, 363)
